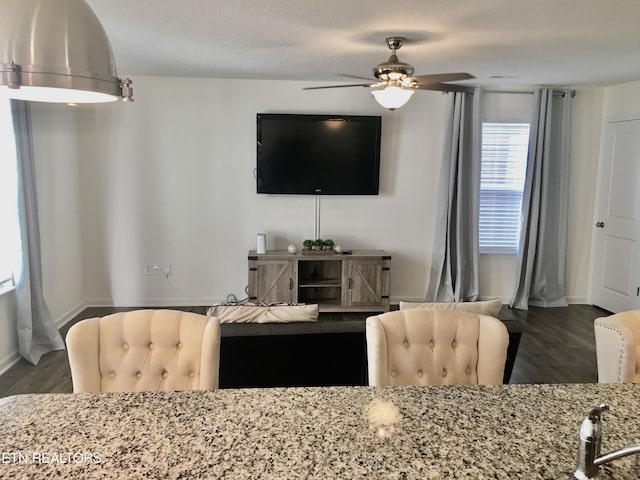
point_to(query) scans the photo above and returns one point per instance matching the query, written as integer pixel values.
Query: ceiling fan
(396, 83)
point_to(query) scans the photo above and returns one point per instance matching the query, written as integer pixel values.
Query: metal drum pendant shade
(56, 51)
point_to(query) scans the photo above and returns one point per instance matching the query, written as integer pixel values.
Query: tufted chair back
(435, 347)
(144, 350)
(618, 347)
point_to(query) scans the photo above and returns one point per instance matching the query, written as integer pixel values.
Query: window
(504, 165)
(9, 230)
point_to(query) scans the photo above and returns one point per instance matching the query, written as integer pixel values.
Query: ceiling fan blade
(356, 76)
(441, 77)
(342, 86)
(444, 87)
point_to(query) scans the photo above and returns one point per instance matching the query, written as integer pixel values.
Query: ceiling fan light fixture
(57, 51)
(395, 83)
(392, 97)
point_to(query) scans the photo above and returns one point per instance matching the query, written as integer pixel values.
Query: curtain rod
(529, 92)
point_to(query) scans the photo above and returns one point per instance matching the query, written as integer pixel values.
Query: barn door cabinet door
(272, 281)
(366, 283)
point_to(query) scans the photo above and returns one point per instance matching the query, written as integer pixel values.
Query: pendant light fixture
(57, 51)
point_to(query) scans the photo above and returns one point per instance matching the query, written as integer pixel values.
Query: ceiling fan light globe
(392, 97)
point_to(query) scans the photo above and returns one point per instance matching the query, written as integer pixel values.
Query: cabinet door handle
(350, 283)
(291, 284)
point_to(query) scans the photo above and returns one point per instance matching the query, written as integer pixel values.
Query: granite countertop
(501, 432)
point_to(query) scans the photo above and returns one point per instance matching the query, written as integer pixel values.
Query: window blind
(503, 170)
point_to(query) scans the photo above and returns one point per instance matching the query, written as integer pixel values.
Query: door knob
(600, 224)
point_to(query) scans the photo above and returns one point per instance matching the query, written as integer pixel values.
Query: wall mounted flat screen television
(318, 154)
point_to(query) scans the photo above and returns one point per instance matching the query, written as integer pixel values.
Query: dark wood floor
(557, 346)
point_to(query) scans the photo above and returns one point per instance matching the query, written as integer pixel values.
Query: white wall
(169, 178)
(498, 272)
(622, 101)
(55, 146)
(585, 154)
(55, 150)
(9, 336)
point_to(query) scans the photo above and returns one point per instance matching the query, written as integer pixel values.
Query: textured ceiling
(525, 42)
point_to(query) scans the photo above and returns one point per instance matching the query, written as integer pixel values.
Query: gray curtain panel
(454, 263)
(542, 253)
(37, 332)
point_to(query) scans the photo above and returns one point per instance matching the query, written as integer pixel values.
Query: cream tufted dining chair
(618, 347)
(435, 347)
(160, 350)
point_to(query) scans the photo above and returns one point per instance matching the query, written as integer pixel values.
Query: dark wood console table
(329, 352)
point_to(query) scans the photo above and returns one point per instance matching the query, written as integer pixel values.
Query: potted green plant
(328, 244)
(307, 244)
(317, 244)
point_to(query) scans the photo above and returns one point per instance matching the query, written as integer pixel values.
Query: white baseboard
(150, 302)
(14, 357)
(63, 319)
(396, 300)
(9, 361)
(577, 301)
(505, 300)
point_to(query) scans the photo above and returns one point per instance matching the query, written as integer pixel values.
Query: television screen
(318, 154)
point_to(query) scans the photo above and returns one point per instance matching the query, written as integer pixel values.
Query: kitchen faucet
(589, 459)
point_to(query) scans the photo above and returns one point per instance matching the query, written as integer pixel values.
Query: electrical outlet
(152, 269)
(166, 269)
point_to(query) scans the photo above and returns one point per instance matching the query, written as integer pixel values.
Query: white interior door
(615, 285)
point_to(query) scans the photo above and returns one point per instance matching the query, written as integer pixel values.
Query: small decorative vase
(337, 248)
(292, 248)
